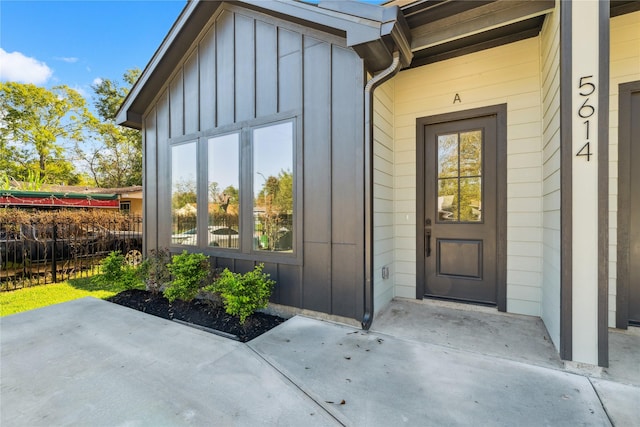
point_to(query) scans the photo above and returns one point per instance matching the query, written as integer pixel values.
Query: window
(125, 207)
(273, 188)
(184, 194)
(223, 190)
(244, 182)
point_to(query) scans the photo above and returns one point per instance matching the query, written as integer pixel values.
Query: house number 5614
(585, 89)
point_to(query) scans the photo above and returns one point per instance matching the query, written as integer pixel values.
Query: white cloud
(69, 59)
(97, 81)
(17, 67)
(82, 91)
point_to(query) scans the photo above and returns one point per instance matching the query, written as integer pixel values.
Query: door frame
(500, 112)
(624, 202)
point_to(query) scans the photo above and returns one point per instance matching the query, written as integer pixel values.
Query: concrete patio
(90, 362)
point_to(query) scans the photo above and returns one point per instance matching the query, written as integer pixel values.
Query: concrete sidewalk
(93, 363)
(90, 362)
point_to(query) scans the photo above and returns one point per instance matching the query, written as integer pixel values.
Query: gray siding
(247, 66)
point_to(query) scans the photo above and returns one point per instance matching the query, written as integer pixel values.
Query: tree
(116, 158)
(276, 200)
(183, 192)
(36, 122)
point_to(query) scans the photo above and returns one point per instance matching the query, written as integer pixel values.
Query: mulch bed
(203, 314)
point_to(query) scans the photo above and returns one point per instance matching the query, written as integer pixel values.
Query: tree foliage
(36, 122)
(116, 158)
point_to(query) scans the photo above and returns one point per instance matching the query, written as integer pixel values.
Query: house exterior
(127, 199)
(472, 151)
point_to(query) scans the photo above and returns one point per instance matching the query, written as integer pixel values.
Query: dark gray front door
(634, 235)
(460, 210)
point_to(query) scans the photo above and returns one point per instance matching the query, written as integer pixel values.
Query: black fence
(37, 253)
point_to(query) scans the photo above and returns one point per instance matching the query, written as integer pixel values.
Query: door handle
(427, 237)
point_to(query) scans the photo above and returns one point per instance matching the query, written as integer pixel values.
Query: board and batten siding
(551, 238)
(508, 74)
(383, 201)
(624, 68)
(246, 68)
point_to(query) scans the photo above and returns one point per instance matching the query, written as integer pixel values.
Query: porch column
(589, 180)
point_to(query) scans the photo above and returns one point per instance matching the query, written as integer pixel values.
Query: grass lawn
(41, 296)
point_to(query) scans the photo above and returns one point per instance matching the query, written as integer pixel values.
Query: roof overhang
(443, 29)
(374, 32)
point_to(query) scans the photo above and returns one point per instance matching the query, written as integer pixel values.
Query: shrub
(243, 294)
(115, 271)
(154, 270)
(188, 272)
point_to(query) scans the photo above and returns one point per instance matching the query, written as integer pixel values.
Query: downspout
(371, 85)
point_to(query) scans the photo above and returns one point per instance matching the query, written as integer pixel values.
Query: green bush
(243, 294)
(188, 270)
(154, 270)
(115, 271)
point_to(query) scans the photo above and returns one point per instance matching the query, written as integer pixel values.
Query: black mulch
(207, 314)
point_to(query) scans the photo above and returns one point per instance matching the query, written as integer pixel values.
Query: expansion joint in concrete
(316, 400)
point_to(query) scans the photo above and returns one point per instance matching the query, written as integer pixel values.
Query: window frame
(245, 219)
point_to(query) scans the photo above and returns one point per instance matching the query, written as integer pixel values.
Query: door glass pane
(183, 194)
(273, 188)
(471, 199)
(448, 155)
(471, 153)
(460, 177)
(448, 199)
(223, 191)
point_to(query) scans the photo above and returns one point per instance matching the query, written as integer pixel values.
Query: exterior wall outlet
(385, 272)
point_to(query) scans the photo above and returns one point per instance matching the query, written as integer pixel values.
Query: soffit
(621, 7)
(443, 29)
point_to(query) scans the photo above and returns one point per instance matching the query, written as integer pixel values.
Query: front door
(460, 210)
(634, 250)
(628, 259)
(634, 211)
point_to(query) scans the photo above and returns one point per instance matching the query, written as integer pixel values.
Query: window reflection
(183, 194)
(460, 177)
(223, 190)
(273, 188)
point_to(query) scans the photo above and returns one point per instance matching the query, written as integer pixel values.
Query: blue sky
(74, 43)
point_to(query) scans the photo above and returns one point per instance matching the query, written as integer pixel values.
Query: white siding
(624, 68)
(508, 74)
(383, 252)
(550, 75)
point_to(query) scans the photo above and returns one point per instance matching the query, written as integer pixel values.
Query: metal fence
(37, 253)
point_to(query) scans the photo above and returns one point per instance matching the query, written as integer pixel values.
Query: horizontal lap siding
(383, 253)
(247, 66)
(550, 75)
(508, 74)
(624, 68)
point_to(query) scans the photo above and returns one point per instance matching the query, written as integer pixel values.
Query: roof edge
(371, 30)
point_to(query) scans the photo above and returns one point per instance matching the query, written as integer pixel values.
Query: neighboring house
(474, 151)
(56, 200)
(127, 199)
